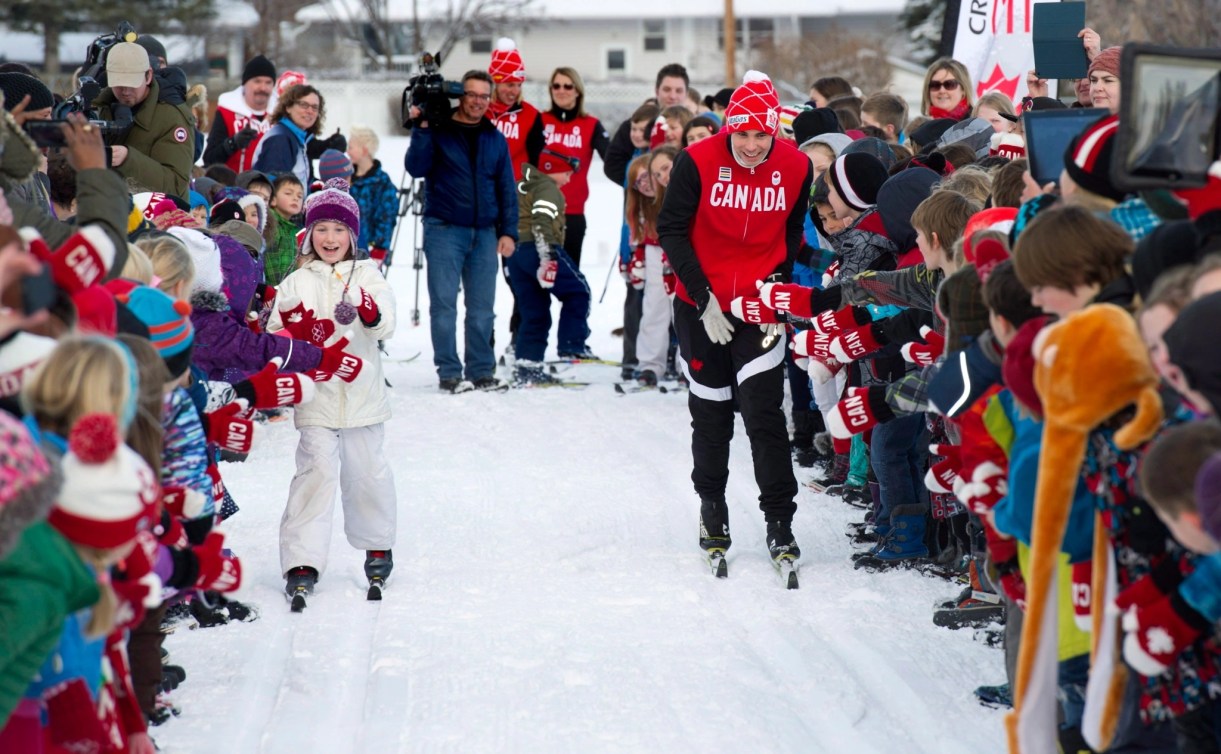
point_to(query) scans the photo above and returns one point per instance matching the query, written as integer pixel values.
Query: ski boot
(784, 551)
(299, 584)
(378, 565)
(714, 534)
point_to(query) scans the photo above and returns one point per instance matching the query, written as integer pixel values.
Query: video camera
(430, 92)
(1169, 117)
(92, 80)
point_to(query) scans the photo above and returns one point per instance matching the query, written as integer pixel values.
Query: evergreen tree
(923, 21)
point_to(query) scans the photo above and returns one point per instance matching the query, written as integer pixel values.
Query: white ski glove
(719, 329)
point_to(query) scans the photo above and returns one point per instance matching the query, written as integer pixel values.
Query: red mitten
(668, 278)
(218, 572)
(787, 297)
(337, 362)
(253, 323)
(823, 370)
(927, 352)
(1154, 586)
(548, 268)
(367, 309)
(169, 531)
(635, 269)
(944, 476)
(851, 345)
(862, 409)
(841, 319)
(378, 254)
(828, 277)
(989, 483)
(812, 344)
(226, 429)
(80, 261)
(1014, 586)
(218, 484)
(269, 388)
(1158, 632)
(752, 310)
(137, 587)
(1082, 591)
(182, 502)
(303, 325)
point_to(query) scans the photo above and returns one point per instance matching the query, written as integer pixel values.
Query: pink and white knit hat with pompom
(753, 106)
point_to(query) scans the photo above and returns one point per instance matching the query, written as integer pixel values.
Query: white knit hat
(206, 256)
(18, 357)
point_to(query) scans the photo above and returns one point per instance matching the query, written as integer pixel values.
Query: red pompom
(182, 307)
(95, 438)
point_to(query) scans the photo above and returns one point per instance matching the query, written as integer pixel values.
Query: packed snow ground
(549, 595)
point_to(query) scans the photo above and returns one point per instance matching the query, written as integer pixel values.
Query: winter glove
(79, 262)
(240, 140)
(862, 409)
(1010, 577)
(548, 268)
(850, 345)
(302, 324)
(989, 483)
(716, 324)
(832, 321)
(268, 388)
(366, 308)
(337, 362)
(787, 297)
(378, 254)
(944, 476)
(1158, 632)
(182, 502)
(218, 572)
(1163, 579)
(828, 277)
(823, 370)
(227, 430)
(753, 311)
(1081, 592)
(137, 587)
(669, 279)
(635, 269)
(927, 352)
(812, 344)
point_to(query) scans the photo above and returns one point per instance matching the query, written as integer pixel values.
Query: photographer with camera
(158, 148)
(241, 118)
(470, 216)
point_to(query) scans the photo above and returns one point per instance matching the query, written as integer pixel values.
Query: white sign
(994, 43)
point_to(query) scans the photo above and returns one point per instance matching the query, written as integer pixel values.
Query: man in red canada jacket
(733, 215)
(519, 121)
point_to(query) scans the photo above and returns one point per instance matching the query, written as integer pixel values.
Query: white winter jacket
(338, 404)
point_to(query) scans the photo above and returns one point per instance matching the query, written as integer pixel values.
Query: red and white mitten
(182, 502)
(226, 429)
(79, 262)
(927, 352)
(787, 297)
(269, 388)
(828, 277)
(753, 311)
(850, 345)
(218, 572)
(1154, 586)
(1158, 632)
(635, 269)
(302, 324)
(1082, 594)
(989, 483)
(812, 344)
(944, 476)
(823, 370)
(548, 268)
(337, 362)
(862, 409)
(366, 308)
(829, 322)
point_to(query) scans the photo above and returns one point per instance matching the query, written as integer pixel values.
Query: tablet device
(1048, 134)
(1170, 105)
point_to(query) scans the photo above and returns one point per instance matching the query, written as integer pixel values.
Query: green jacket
(539, 205)
(280, 259)
(42, 581)
(161, 143)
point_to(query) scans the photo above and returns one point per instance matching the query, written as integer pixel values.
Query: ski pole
(605, 285)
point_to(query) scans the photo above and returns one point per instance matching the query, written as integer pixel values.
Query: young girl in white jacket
(329, 297)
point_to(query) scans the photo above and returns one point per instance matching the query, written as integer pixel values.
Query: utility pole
(731, 25)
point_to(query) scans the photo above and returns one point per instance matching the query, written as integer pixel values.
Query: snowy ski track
(549, 596)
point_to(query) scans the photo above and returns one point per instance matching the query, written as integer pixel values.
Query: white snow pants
(653, 342)
(352, 461)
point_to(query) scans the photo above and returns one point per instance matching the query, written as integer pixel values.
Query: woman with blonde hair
(948, 92)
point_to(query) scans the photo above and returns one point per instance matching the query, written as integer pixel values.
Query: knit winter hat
(109, 493)
(1208, 496)
(176, 218)
(506, 65)
(1106, 61)
(154, 48)
(28, 482)
(330, 204)
(17, 85)
(858, 178)
(1191, 346)
(206, 257)
(836, 142)
(96, 311)
(1088, 158)
(788, 114)
(198, 200)
(976, 133)
(168, 321)
(754, 106)
(872, 145)
(19, 356)
(224, 211)
(258, 66)
(288, 80)
(814, 122)
(334, 164)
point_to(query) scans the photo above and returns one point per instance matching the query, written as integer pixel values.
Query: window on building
(655, 36)
(616, 61)
(749, 33)
(481, 45)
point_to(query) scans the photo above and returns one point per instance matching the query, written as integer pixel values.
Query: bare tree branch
(834, 52)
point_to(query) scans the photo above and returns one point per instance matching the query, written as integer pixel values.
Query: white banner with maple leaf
(993, 41)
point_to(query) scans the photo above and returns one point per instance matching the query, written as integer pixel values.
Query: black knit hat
(224, 211)
(931, 132)
(872, 145)
(1088, 158)
(258, 66)
(155, 49)
(17, 85)
(857, 179)
(815, 122)
(1190, 343)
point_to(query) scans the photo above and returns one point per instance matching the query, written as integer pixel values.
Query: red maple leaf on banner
(997, 82)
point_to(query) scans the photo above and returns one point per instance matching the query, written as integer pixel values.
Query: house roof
(27, 47)
(640, 9)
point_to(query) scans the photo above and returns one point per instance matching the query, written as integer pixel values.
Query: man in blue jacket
(470, 216)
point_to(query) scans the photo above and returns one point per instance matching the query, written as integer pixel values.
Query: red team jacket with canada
(573, 138)
(741, 223)
(515, 125)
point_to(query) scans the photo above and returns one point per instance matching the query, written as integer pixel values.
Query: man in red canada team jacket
(732, 216)
(519, 121)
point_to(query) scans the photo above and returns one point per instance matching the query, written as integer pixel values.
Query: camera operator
(158, 149)
(470, 216)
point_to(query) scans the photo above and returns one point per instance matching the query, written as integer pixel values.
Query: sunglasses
(566, 87)
(949, 85)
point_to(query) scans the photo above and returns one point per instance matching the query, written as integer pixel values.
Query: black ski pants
(750, 369)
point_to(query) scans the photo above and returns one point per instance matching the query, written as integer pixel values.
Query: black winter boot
(714, 524)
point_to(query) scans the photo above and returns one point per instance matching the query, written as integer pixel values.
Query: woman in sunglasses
(948, 92)
(573, 133)
(296, 121)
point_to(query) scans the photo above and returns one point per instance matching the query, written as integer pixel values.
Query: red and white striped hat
(506, 65)
(753, 106)
(1088, 159)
